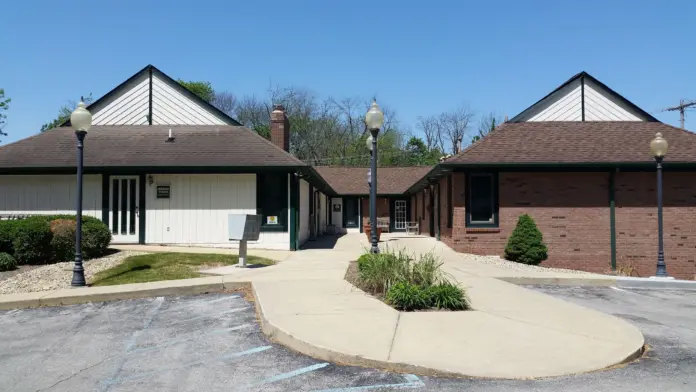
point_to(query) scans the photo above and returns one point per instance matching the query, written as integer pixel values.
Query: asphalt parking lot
(213, 343)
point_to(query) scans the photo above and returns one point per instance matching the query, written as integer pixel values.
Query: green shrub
(96, 238)
(7, 262)
(32, 241)
(407, 296)
(446, 295)
(378, 272)
(63, 242)
(526, 243)
(7, 234)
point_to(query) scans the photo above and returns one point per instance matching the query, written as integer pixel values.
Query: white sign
(271, 220)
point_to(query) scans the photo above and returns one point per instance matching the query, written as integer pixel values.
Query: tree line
(332, 131)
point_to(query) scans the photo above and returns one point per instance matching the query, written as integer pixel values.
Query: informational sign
(163, 191)
(336, 208)
(271, 220)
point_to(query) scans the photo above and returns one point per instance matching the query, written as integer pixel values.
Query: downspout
(612, 219)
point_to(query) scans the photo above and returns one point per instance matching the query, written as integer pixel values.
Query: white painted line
(294, 373)
(618, 289)
(169, 342)
(209, 315)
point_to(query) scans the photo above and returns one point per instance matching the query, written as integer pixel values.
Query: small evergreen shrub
(7, 234)
(407, 296)
(446, 295)
(32, 241)
(7, 262)
(526, 243)
(96, 238)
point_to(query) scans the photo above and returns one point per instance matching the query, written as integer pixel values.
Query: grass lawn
(166, 266)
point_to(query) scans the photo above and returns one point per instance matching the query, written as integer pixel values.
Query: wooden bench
(412, 226)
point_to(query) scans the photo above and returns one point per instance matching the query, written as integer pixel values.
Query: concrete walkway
(305, 304)
(513, 332)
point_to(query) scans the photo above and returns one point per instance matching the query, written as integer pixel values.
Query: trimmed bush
(7, 262)
(407, 296)
(96, 238)
(32, 241)
(447, 296)
(526, 243)
(7, 234)
(63, 242)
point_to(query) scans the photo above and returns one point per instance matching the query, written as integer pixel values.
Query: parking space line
(169, 342)
(412, 382)
(294, 373)
(221, 358)
(209, 315)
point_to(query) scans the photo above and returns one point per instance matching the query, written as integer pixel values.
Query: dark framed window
(272, 201)
(450, 207)
(482, 200)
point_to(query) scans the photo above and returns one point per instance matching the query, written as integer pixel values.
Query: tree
(526, 243)
(487, 123)
(4, 106)
(418, 154)
(202, 89)
(226, 102)
(64, 113)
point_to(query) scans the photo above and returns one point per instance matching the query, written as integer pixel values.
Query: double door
(124, 211)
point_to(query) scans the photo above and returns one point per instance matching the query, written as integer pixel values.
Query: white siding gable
(131, 107)
(129, 104)
(582, 94)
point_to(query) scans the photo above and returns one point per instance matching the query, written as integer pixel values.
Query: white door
(123, 209)
(400, 214)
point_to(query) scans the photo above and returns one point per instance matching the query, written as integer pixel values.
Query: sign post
(243, 228)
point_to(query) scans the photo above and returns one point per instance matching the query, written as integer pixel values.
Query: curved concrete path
(513, 332)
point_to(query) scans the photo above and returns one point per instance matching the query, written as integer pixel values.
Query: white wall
(303, 235)
(197, 211)
(337, 217)
(564, 105)
(131, 107)
(599, 106)
(49, 194)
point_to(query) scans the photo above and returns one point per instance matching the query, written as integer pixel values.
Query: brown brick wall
(636, 223)
(572, 212)
(444, 230)
(382, 209)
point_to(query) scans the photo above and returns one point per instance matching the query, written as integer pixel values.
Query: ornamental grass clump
(408, 283)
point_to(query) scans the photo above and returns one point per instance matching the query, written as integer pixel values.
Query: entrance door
(399, 214)
(123, 209)
(350, 212)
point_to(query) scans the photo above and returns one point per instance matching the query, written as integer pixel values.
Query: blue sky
(418, 57)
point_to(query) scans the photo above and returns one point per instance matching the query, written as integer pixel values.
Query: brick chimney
(280, 128)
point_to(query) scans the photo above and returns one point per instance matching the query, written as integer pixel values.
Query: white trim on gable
(583, 98)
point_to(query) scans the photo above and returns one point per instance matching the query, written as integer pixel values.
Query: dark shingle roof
(133, 146)
(390, 180)
(577, 142)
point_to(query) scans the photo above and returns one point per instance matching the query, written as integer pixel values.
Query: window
(482, 200)
(450, 208)
(272, 201)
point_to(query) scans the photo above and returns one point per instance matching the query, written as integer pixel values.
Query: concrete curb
(652, 283)
(564, 281)
(119, 292)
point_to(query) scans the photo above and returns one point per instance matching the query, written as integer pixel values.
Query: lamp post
(658, 147)
(374, 120)
(81, 121)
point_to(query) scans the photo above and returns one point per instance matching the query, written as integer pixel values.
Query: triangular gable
(583, 98)
(150, 97)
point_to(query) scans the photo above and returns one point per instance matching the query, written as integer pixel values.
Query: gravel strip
(58, 276)
(499, 262)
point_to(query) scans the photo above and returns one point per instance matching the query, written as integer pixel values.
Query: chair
(412, 226)
(383, 223)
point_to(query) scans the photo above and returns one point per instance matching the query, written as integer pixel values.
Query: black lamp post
(658, 147)
(81, 121)
(374, 120)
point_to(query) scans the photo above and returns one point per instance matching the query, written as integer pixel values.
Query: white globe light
(659, 146)
(374, 117)
(368, 142)
(81, 118)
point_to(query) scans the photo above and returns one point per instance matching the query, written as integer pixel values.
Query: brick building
(578, 161)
